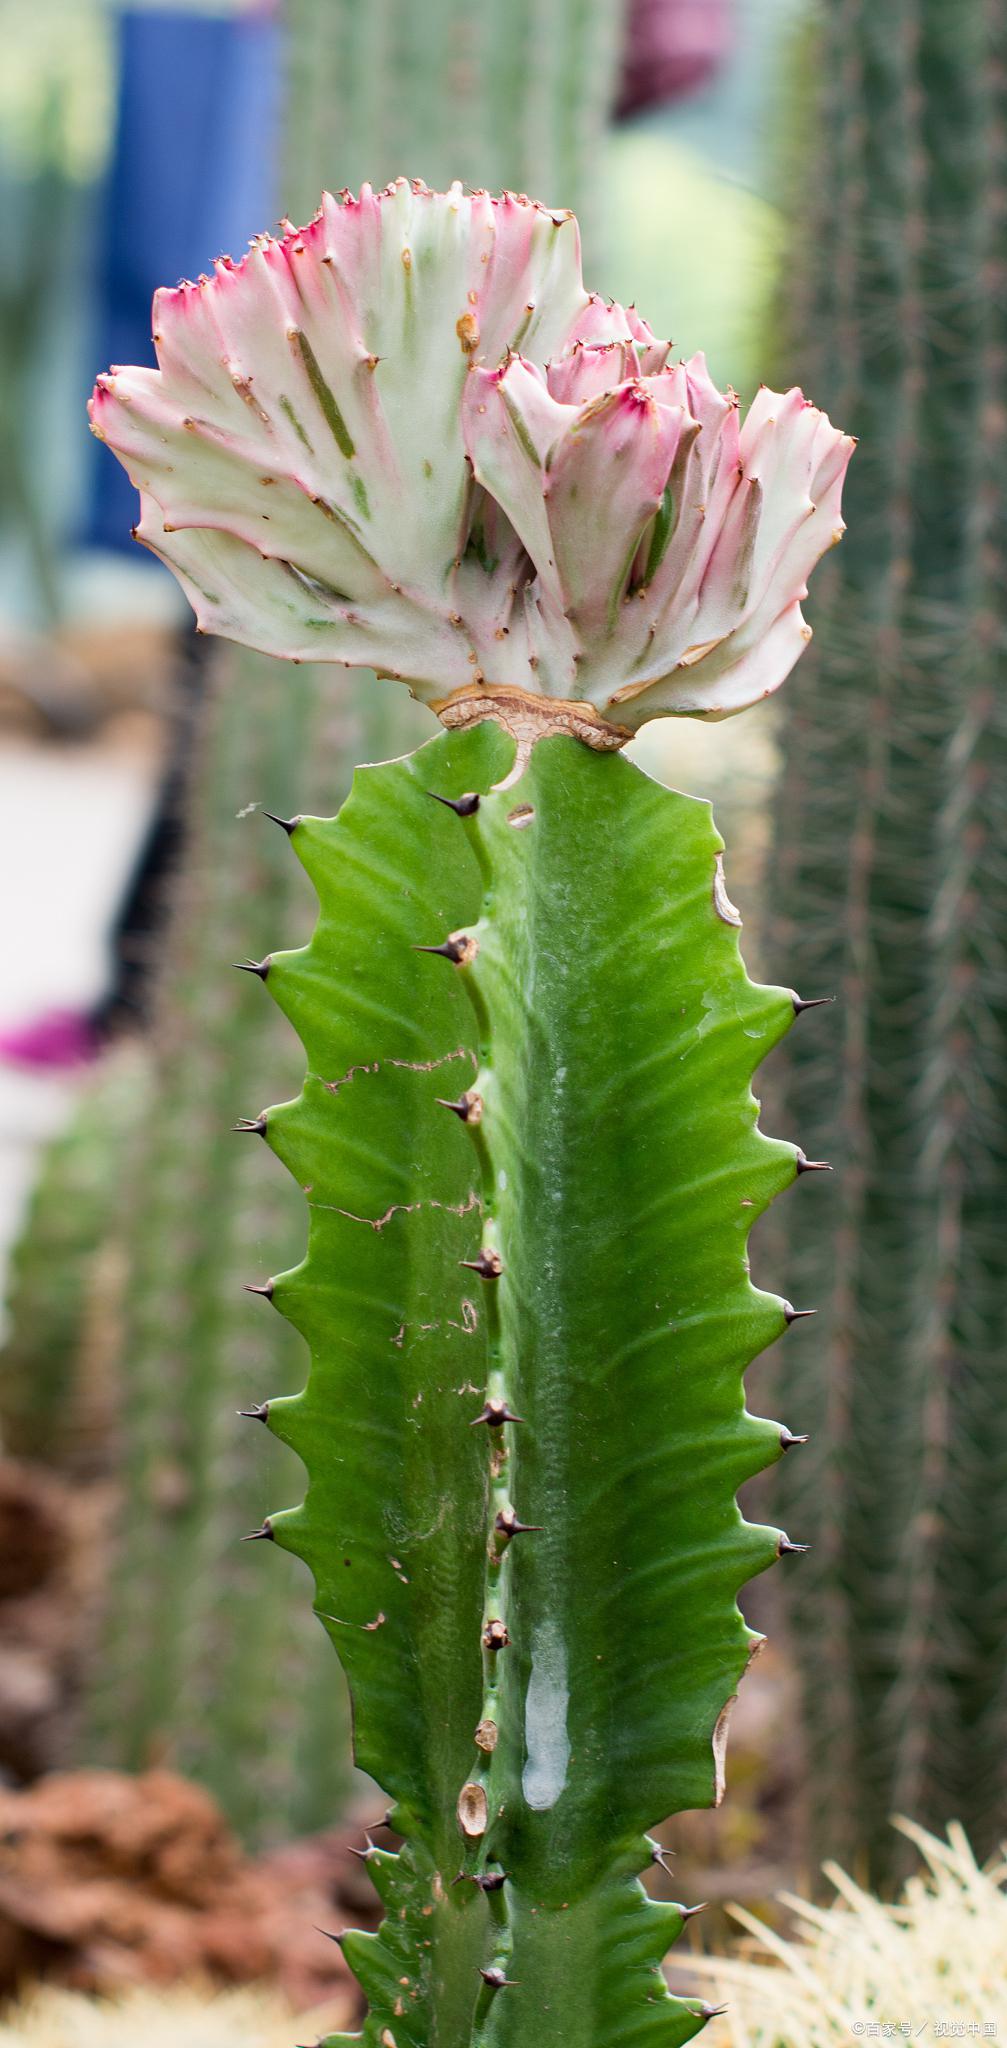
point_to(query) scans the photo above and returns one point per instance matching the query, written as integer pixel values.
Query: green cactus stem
(889, 887)
(532, 1166)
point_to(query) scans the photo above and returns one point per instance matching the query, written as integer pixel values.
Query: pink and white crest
(406, 438)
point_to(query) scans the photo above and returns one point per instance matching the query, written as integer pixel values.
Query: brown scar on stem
(722, 904)
(473, 1201)
(720, 1732)
(368, 1627)
(461, 1052)
(473, 1810)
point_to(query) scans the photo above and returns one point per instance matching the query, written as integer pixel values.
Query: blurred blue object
(193, 175)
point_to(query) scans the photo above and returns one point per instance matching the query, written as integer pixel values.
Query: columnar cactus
(194, 1654)
(495, 95)
(889, 887)
(527, 1137)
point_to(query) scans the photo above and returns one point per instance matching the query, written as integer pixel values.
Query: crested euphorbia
(405, 438)
(306, 452)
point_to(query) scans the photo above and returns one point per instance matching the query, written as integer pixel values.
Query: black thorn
(796, 1315)
(252, 1123)
(259, 967)
(810, 1003)
(266, 1289)
(787, 1549)
(370, 1850)
(469, 1106)
(805, 1165)
(789, 1440)
(453, 949)
(508, 1524)
(326, 1936)
(288, 824)
(488, 1265)
(495, 1978)
(495, 1635)
(462, 806)
(260, 1413)
(689, 1912)
(487, 1880)
(495, 1414)
(263, 1535)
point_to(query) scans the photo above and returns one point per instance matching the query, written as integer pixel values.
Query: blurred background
(813, 193)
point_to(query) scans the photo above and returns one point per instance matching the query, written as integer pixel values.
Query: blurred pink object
(59, 1038)
(672, 48)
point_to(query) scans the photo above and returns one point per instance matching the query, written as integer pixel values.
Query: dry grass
(49, 2018)
(860, 1970)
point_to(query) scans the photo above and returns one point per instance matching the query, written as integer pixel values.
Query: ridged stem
(899, 336)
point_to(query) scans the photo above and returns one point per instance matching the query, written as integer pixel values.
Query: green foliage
(891, 885)
(531, 1168)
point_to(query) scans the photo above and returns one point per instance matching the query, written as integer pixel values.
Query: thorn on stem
(463, 806)
(266, 1290)
(788, 1440)
(495, 1414)
(458, 947)
(488, 1265)
(252, 1123)
(259, 967)
(659, 1855)
(508, 1525)
(287, 825)
(787, 1549)
(263, 1535)
(495, 1634)
(805, 1165)
(260, 1413)
(371, 1849)
(326, 1936)
(796, 1315)
(469, 1107)
(711, 2012)
(487, 1880)
(495, 1978)
(810, 1003)
(689, 1912)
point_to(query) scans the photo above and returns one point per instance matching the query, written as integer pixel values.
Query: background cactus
(496, 96)
(189, 1647)
(521, 1514)
(199, 1646)
(889, 886)
(57, 1388)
